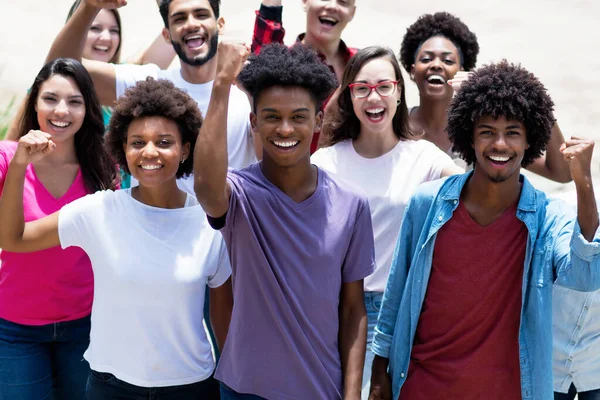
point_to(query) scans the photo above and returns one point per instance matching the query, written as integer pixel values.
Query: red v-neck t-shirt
(47, 286)
(466, 344)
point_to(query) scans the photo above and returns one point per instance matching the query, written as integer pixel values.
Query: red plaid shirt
(269, 29)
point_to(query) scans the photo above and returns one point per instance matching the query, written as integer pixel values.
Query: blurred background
(556, 40)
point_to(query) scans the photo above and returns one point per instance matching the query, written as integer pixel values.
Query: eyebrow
(379, 81)
(77, 96)
(178, 13)
(267, 109)
(492, 127)
(445, 53)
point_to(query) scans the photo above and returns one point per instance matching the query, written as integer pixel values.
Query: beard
(198, 60)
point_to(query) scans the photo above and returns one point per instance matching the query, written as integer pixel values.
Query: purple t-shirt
(289, 261)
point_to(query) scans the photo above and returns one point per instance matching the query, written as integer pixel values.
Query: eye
(425, 59)
(76, 102)
(513, 133)
(449, 62)
(299, 117)
(95, 29)
(271, 117)
(361, 89)
(49, 98)
(164, 142)
(137, 143)
(115, 31)
(487, 133)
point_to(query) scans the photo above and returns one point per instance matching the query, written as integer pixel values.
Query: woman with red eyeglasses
(370, 145)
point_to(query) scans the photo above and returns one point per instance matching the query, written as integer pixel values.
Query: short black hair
(439, 24)
(164, 9)
(280, 65)
(154, 98)
(501, 90)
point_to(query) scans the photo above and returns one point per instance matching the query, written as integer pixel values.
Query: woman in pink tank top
(46, 296)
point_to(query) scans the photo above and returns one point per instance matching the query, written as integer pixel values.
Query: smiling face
(60, 108)
(436, 62)
(376, 112)
(103, 38)
(154, 150)
(193, 31)
(326, 19)
(286, 119)
(499, 146)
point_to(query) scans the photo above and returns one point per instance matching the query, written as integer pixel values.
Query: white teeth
(60, 124)
(101, 48)
(499, 159)
(375, 110)
(436, 77)
(286, 144)
(328, 19)
(192, 37)
(151, 167)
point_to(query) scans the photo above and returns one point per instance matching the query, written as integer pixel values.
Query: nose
(500, 141)
(104, 35)
(285, 128)
(192, 23)
(61, 108)
(149, 151)
(373, 95)
(436, 63)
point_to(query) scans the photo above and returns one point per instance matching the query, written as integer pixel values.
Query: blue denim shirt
(556, 251)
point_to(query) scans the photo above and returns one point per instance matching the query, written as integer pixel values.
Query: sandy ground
(554, 39)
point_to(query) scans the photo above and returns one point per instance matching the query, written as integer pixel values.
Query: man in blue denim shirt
(499, 120)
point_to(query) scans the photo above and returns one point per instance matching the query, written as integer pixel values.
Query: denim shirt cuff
(381, 345)
(582, 248)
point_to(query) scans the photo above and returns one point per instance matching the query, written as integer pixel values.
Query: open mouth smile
(59, 124)
(328, 21)
(436, 80)
(194, 40)
(285, 144)
(375, 114)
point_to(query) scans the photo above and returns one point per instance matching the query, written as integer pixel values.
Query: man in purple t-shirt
(300, 242)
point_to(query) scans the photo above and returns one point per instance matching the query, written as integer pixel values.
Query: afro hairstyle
(501, 90)
(439, 24)
(152, 98)
(280, 65)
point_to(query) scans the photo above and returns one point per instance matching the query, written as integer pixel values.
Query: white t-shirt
(239, 135)
(388, 181)
(151, 267)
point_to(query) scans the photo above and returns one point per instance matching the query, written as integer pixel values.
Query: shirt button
(402, 375)
(440, 218)
(455, 201)
(585, 308)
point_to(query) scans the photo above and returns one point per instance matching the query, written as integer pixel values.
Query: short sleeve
(226, 221)
(360, 258)
(223, 271)
(7, 151)
(439, 162)
(76, 221)
(128, 74)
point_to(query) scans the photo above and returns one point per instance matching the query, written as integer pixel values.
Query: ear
(166, 35)
(253, 122)
(221, 25)
(412, 72)
(185, 151)
(318, 121)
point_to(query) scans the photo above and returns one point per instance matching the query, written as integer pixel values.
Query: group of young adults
(340, 265)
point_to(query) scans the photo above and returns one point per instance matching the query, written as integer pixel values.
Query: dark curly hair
(164, 9)
(280, 65)
(439, 24)
(501, 90)
(345, 124)
(154, 98)
(97, 167)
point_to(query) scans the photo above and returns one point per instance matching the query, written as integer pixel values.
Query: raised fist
(230, 60)
(33, 147)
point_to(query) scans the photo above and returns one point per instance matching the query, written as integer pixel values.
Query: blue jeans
(105, 386)
(44, 362)
(373, 305)
(591, 395)
(228, 393)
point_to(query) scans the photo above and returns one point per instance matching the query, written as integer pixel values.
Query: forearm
(11, 208)
(587, 211)
(159, 52)
(552, 164)
(353, 342)
(70, 41)
(210, 154)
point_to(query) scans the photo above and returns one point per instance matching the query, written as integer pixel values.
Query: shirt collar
(348, 52)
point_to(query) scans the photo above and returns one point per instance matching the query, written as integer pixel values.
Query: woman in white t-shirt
(370, 145)
(152, 251)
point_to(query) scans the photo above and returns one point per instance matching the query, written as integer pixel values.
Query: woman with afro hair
(151, 248)
(467, 311)
(439, 51)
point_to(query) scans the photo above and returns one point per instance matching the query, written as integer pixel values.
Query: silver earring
(182, 161)
(398, 103)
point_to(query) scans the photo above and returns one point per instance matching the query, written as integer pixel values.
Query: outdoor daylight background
(556, 40)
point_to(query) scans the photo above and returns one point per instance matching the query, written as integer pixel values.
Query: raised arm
(267, 27)
(552, 164)
(70, 43)
(15, 234)
(210, 154)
